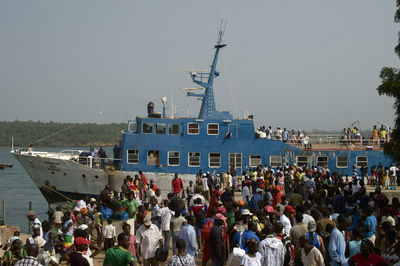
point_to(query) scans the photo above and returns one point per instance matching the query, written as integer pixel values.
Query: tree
(391, 87)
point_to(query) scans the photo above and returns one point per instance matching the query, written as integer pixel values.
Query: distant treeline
(59, 134)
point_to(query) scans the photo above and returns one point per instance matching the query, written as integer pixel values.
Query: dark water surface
(17, 189)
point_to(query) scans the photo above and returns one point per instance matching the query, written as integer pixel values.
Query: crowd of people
(284, 216)
(353, 135)
(350, 135)
(293, 137)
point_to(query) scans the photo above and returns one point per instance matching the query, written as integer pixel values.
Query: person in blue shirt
(256, 199)
(246, 235)
(370, 224)
(188, 234)
(337, 243)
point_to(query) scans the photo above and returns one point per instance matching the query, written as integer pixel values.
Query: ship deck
(341, 147)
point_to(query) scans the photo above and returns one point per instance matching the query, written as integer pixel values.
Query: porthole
(96, 176)
(83, 175)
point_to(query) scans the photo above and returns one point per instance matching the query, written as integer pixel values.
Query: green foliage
(391, 87)
(59, 134)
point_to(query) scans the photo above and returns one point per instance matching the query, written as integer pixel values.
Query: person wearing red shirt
(142, 185)
(143, 177)
(367, 257)
(177, 185)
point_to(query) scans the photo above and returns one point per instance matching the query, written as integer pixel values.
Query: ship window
(275, 161)
(173, 129)
(255, 160)
(193, 128)
(147, 128)
(302, 161)
(322, 161)
(132, 127)
(194, 159)
(160, 128)
(235, 160)
(153, 157)
(361, 161)
(342, 162)
(133, 156)
(212, 129)
(214, 160)
(173, 158)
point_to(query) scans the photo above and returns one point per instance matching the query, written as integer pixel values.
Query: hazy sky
(298, 64)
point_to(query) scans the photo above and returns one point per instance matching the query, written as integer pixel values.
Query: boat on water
(214, 141)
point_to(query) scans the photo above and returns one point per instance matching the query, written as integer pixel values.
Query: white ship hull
(61, 177)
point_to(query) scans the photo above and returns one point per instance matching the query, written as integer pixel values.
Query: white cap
(246, 212)
(83, 227)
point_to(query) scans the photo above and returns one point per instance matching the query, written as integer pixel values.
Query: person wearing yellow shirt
(375, 134)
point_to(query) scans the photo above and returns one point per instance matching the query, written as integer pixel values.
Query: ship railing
(31, 153)
(100, 163)
(77, 156)
(69, 154)
(338, 141)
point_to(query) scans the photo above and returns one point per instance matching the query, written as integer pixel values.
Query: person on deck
(102, 154)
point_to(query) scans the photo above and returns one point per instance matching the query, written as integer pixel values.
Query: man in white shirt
(148, 239)
(269, 132)
(393, 174)
(166, 215)
(35, 221)
(285, 219)
(110, 235)
(246, 192)
(206, 190)
(305, 141)
(356, 186)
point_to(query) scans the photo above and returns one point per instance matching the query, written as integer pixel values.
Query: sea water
(18, 189)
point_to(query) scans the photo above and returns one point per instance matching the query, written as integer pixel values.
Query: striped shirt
(28, 261)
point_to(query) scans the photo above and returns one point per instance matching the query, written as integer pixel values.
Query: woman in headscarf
(15, 253)
(214, 201)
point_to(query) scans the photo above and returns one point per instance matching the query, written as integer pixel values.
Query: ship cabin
(186, 145)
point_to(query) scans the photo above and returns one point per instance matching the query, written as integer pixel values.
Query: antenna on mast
(222, 27)
(206, 80)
